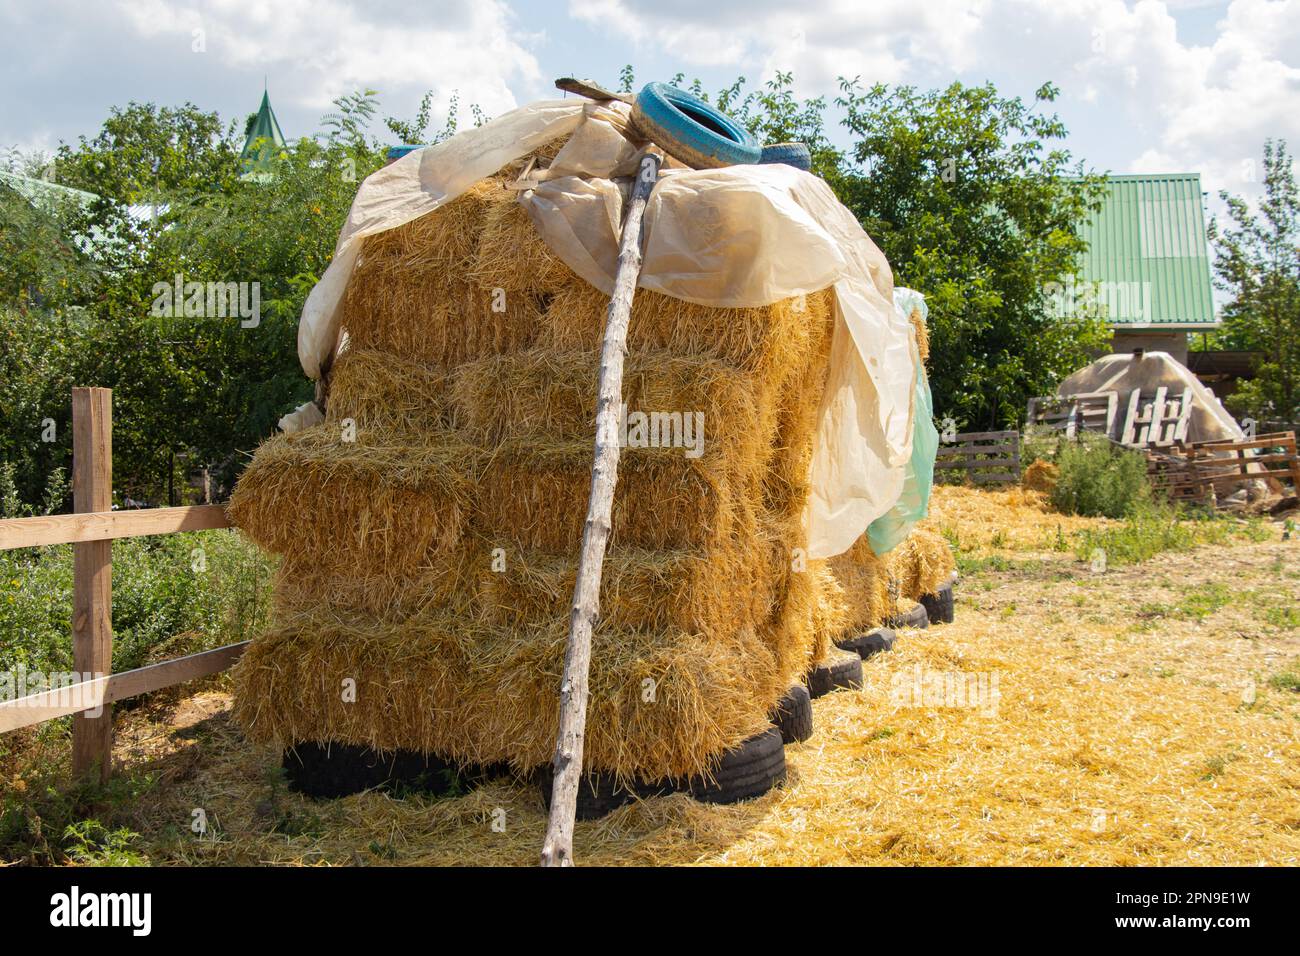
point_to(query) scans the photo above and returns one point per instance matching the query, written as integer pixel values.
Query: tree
(187, 390)
(1257, 261)
(972, 208)
(972, 204)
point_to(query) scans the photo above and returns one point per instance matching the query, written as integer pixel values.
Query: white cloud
(331, 47)
(1172, 104)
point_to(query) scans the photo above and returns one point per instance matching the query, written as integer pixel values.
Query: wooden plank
(1266, 441)
(557, 847)
(108, 525)
(1129, 433)
(92, 574)
(983, 436)
(977, 449)
(1112, 405)
(47, 705)
(976, 465)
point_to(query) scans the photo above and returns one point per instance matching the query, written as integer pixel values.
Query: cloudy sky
(1182, 85)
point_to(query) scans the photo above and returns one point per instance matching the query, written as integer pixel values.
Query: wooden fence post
(92, 581)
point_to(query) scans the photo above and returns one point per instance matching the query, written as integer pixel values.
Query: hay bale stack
(871, 588)
(431, 558)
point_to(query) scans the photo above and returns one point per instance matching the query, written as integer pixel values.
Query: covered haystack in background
(870, 588)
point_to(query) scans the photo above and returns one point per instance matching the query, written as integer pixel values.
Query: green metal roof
(264, 139)
(1148, 252)
(43, 192)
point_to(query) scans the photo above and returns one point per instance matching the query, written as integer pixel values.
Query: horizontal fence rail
(91, 531)
(108, 525)
(92, 694)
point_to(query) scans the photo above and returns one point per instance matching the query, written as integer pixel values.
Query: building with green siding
(1147, 269)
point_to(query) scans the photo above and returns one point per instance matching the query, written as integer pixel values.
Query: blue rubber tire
(792, 154)
(689, 129)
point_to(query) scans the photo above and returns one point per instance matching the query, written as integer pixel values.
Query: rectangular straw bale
(535, 495)
(544, 393)
(713, 591)
(445, 239)
(512, 256)
(862, 580)
(445, 580)
(795, 408)
(432, 316)
(475, 692)
(381, 390)
(756, 339)
(921, 564)
(368, 506)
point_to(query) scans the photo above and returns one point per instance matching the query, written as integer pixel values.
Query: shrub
(1098, 479)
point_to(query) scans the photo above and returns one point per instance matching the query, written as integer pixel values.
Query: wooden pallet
(1154, 420)
(980, 457)
(1190, 470)
(1089, 411)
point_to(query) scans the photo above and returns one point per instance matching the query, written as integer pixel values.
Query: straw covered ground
(1145, 715)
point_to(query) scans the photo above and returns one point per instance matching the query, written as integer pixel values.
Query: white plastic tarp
(742, 236)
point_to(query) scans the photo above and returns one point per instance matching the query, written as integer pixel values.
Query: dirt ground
(1144, 715)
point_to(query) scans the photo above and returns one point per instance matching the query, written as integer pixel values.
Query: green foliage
(1257, 261)
(1097, 478)
(1152, 528)
(90, 843)
(45, 263)
(187, 391)
(417, 130)
(172, 595)
(1288, 679)
(47, 819)
(974, 204)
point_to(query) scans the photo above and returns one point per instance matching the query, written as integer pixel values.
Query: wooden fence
(91, 532)
(981, 457)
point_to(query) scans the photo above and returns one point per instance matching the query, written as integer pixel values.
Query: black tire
(748, 771)
(793, 715)
(939, 607)
(326, 771)
(870, 644)
(791, 154)
(915, 617)
(601, 793)
(842, 669)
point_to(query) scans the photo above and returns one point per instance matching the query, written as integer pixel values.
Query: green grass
(1153, 529)
(1285, 617)
(1197, 604)
(1286, 680)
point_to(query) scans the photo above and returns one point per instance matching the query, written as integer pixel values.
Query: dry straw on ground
(992, 521)
(1040, 476)
(1118, 739)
